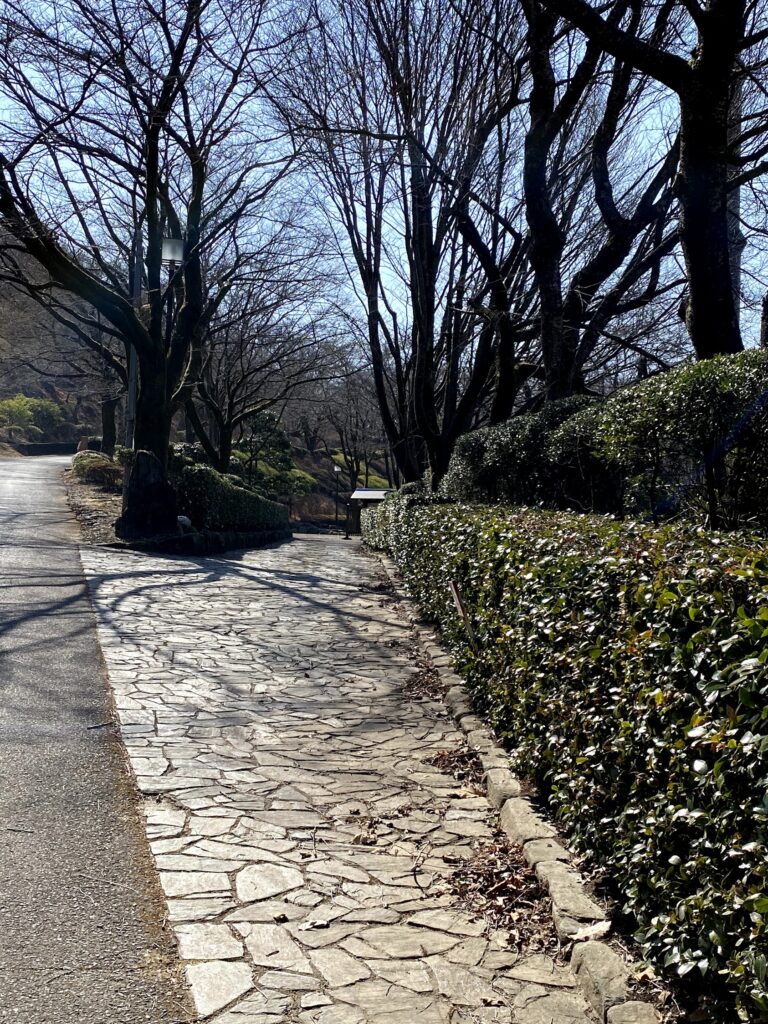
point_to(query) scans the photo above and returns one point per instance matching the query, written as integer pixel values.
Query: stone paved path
(302, 841)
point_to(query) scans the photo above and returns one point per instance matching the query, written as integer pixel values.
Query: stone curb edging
(600, 972)
(205, 542)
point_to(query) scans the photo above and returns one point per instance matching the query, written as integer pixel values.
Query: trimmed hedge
(626, 666)
(691, 441)
(507, 462)
(215, 502)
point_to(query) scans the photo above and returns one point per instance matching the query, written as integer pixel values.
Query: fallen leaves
(500, 886)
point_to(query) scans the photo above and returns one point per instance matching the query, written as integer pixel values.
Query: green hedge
(215, 502)
(626, 666)
(691, 441)
(508, 462)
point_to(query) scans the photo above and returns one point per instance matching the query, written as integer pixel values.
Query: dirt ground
(95, 509)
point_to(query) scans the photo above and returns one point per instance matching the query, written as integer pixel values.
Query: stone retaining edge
(206, 542)
(600, 972)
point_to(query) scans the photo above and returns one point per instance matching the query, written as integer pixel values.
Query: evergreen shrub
(215, 502)
(94, 468)
(626, 665)
(507, 462)
(692, 441)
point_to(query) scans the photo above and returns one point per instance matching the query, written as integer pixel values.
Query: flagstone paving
(303, 843)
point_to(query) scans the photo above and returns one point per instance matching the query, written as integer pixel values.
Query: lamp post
(337, 474)
(172, 253)
(133, 364)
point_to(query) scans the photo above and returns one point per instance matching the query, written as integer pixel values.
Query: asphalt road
(80, 910)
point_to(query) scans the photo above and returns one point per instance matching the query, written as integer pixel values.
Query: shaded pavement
(305, 840)
(80, 910)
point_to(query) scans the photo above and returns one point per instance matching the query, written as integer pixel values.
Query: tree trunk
(439, 460)
(705, 87)
(225, 450)
(108, 425)
(200, 432)
(153, 413)
(702, 187)
(149, 500)
(547, 241)
(149, 506)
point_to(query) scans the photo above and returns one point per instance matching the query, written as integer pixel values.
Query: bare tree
(571, 167)
(722, 39)
(269, 339)
(402, 142)
(124, 123)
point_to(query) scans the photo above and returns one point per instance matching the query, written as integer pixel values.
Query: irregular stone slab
(180, 862)
(413, 977)
(469, 953)
(372, 915)
(541, 970)
(461, 986)
(535, 1005)
(310, 1000)
(288, 982)
(207, 942)
(317, 937)
(489, 1015)
(217, 983)
(195, 909)
(188, 883)
(602, 975)
(269, 912)
(263, 881)
(339, 968)
(334, 1015)
(337, 869)
(452, 921)
(258, 1008)
(402, 942)
(272, 946)
(377, 996)
(633, 1013)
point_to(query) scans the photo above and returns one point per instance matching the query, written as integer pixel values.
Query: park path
(302, 839)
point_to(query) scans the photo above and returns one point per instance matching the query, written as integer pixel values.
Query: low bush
(94, 468)
(627, 667)
(215, 502)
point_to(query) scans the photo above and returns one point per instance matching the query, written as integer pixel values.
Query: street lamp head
(337, 469)
(173, 250)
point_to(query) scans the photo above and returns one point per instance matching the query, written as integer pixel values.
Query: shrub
(94, 468)
(33, 418)
(585, 477)
(691, 441)
(694, 440)
(627, 667)
(123, 456)
(214, 502)
(508, 462)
